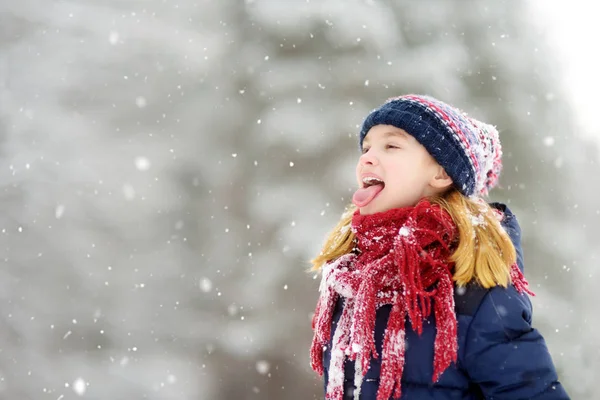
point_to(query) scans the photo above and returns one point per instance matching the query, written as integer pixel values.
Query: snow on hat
(468, 149)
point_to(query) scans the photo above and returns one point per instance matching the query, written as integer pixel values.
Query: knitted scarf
(401, 259)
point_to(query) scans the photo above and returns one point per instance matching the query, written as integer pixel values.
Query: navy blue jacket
(500, 355)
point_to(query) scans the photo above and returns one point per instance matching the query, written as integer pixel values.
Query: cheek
(411, 179)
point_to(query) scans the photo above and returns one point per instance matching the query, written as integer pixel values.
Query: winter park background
(168, 167)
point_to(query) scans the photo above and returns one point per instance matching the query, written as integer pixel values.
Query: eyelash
(387, 146)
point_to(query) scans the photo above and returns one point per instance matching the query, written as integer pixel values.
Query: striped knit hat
(469, 150)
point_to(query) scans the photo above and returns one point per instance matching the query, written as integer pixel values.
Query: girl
(422, 293)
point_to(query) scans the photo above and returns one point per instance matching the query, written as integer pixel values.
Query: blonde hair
(484, 253)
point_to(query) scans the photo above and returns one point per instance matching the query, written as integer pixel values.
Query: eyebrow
(387, 134)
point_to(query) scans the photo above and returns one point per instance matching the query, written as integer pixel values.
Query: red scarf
(402, 260)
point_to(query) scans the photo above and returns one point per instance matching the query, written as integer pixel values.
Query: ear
(441, 180)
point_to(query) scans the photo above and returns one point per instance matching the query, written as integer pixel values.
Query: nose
(368, 158)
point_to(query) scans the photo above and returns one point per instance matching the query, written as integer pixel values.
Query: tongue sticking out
(363, 196)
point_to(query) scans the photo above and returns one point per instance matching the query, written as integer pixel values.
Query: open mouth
(369, 181)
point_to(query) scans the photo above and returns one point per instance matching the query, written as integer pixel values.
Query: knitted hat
(468, 149)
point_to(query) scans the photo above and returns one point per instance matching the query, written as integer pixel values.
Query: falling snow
(263, 367)
(142, 163)
(113, 38)
(79, 386)
(205, 285)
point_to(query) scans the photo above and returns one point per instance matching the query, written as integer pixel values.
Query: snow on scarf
(402, 260)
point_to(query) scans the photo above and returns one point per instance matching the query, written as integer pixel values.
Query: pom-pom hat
(469, 150)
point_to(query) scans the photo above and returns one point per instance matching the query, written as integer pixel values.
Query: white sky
(574, 30)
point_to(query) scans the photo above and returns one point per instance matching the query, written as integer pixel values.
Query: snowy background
(168, 167)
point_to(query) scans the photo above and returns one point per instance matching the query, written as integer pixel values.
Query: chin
(372, 209)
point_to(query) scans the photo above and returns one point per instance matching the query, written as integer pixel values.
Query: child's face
(406, 170)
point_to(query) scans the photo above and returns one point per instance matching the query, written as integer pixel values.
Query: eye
(365, 149)
(392, 146)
